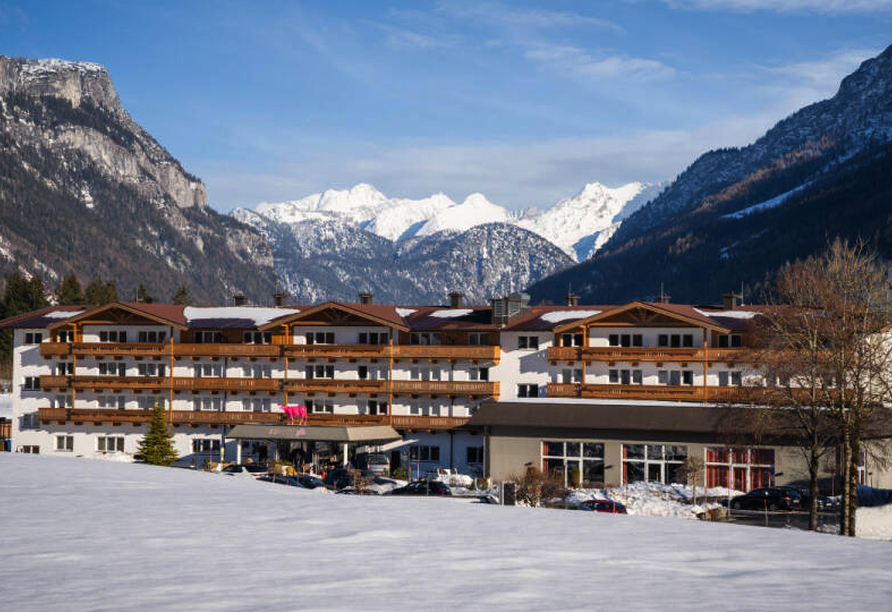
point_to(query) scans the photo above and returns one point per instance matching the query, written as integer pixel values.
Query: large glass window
(653, 462)
(110, 444)
(576, 463)
(741, 469)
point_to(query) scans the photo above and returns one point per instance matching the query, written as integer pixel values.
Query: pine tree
(36, 293)
(111, 292)
(156, 446)
(181, 298)
(70, 291)
(15, 301)
(95, 293)
(142, 295)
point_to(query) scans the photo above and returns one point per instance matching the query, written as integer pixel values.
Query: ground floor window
(576, 463)
(110, 444)
(475, 454)
(65, 443)
(653, 462)
(206, 445)
(31, 449)
(741, 469)
(422, 452)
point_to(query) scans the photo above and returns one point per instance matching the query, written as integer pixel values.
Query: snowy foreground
(96, 535)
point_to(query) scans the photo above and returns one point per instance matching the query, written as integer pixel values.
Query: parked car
(341, 477)
(805, 496)
(770, 498)
(603, 505)
(254, 470)
(308, 481)
(376, 463)
(423, 487)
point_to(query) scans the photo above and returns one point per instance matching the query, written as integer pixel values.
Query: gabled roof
(377, 313)
(40, 319)
(681, 312)
(165, 314)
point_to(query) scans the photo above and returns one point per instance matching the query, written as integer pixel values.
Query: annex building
(599, 394)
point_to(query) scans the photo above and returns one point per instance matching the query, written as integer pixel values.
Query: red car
(603, 505)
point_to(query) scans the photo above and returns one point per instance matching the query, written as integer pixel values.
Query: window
(571, 340)
(474, 454)
(65, 336)
(363, 372)
(257, 404)
(419, 373)
(571, 375)
(732, 378)
(62, 401)
(528, 342)
(116, 402)
(577, 463)
(207, 403)
(110, 444)
(319, 371)
(320, 338)
(30, 421)
(32, 383)
(675, 377)
(65, 368)
(30, 449)
(478, 374)
(64, 443)
(113, 336)
(148, 402)
(33, 338)
(675, 340)
(151, 336)
(209, 370)
(729, 341)
(625, 340)
(373, 338)
(258, 337)
(206, 446)
(422, 452)
(653, 463)
(527, 390)
(320, 406)
(152, 369)
(625, 377)
(376, 407)
(207, 337)
(478, 339)
(424, 338)
(741, 469)
(248, 371)
(113, 369)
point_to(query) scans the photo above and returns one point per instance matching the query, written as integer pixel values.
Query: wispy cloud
(504, 14)
(573, 61)
(833, 7)
(404, 38)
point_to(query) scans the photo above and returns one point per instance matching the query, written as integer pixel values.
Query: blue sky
(522, 101)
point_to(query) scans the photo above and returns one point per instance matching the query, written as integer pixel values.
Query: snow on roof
(565, 315)
(405, 312)
(728, 314)
(256, 315)
(451, 313)
(62, 314)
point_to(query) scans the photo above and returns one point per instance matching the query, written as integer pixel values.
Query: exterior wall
(522, 366)
(600, 336)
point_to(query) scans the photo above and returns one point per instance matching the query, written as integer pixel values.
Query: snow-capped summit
(578, 225)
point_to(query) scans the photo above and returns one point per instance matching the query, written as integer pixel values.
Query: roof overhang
(309, 312)
(372, 434)
(92, 312)
(644, 306)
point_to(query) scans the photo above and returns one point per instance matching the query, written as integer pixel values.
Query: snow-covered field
(94, 535)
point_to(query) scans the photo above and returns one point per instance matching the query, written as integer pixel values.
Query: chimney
(663, 298)
(571, 300)
(240, 299)
(730, 300)
(456, 299)
(279, 298)
(365, 297)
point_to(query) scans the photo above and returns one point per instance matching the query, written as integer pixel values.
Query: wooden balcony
(401, 421)
(448, 353)
(159, 383)
(120, 349)
(471, 388)
(685, 393)
(55, 349)
(227, 384)
(347, 420)
(339, 351)
(329, 385)
(118, 382)
(646, 354)
(177, 417)
(184, 350)
(52, 381)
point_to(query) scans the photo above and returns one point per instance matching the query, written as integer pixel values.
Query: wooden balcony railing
(120, 349)
(118, 382)
(625, 354)
(473, 353)
(227, 384)
(329, 385)
(347, 420)
(339, 351)
(55, 349)
(226, 350)
(657, 392)
(53, 381)
(158, 382)
(441, 387)
(401, 421)
(178, 417)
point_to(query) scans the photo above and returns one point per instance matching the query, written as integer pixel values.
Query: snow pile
(566, 315)
(654, 498)
(62, 314)
(875, 523)
(259, 315)
(405, 312)
(727, 314)
(188, 540)
(451, 313)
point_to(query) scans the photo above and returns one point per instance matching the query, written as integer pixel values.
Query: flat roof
(315, 433)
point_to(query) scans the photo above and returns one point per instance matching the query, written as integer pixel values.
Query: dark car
(342, 477)
(805, 496)
(603, 505)
(768, 498)
(308, 482)
(423, 487)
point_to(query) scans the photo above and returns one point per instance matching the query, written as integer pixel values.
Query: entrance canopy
(373, 434)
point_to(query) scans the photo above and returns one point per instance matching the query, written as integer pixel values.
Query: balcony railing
(336, 351)
(227, 384)
(226, 350)
(55, 349)
(158, 382)
(473, 353)
(329, 385)
(629, 354)
(439, 387)
(657, 392)
(177, 417)
(427, 422)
